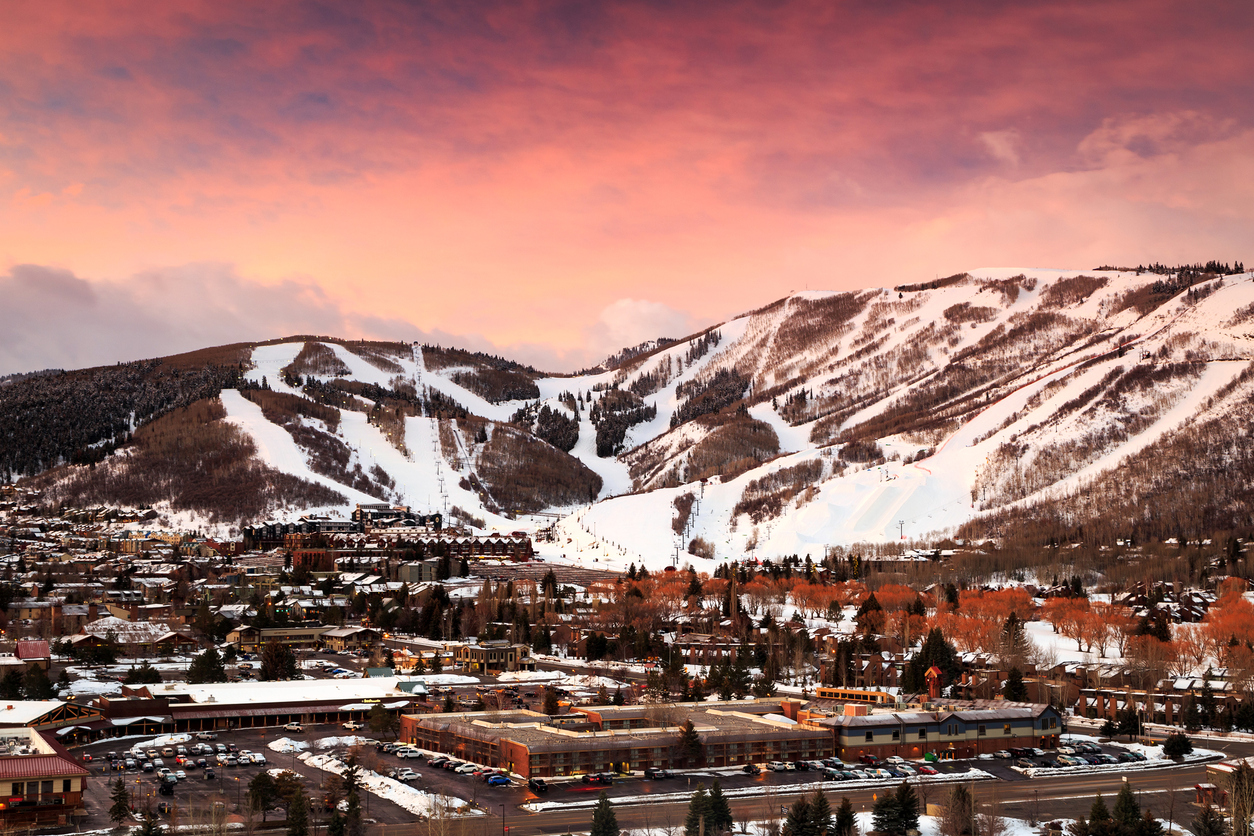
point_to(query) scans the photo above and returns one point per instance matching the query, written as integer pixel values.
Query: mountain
(1037, 404)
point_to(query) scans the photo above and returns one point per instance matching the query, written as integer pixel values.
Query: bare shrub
(525, 474)
(765, 498)
(683, 510)
(1066, 292)
(701, 547)
(739, 444)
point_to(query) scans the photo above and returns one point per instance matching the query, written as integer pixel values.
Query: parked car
(437, 762)
(1003, 754)
(147, 767)
(894, 759)
(206, 735)
(869, 760)
(537, 785)
(406, 774)
(1024, 763)
(352, 725)
(777, 766)
(906, 769)
(1066, 750)
(294, 727)
(165, 788)
(653, 773)
(498, 781)
(831, 774)
(752, 769)
(181, 775)
(928, 770)
(259, 758)
(466, 769)
(210, 775)
(1038, 753)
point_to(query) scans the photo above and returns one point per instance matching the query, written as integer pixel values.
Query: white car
(294, 727)
(466, 769)
(406, 774)
(895, 759)
(352, 725)
(259, 758)
(777, 766)
(906, 769)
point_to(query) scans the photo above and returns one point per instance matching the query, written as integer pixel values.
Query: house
(494, 657)
(133, 638)
(35, 654)
(340, 639)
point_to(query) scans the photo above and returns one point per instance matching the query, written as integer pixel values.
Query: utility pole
(902, 525)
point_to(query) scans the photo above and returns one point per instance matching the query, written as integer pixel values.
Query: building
(948, 733)
(133, 638)
(41, 784)
(622, 738)
(252, 639)
(350, 638)
(494, 657)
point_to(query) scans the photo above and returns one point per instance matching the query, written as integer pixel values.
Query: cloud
(629, 322)
(1002, 145)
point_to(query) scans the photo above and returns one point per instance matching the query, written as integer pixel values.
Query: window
(981, 731)
(18, 788)
(870, 736)
(897, 734)
(1005, 729)
(65, 785)
(45, 788)
(922, 734)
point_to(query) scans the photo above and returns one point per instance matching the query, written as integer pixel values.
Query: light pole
(504, 829)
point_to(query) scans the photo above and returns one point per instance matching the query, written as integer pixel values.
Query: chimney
(852, 710)
(790, 708)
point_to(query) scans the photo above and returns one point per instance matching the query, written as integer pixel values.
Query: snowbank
(412, 800)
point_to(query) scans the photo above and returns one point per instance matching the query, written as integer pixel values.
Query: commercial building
(494, 657)
(40, 782)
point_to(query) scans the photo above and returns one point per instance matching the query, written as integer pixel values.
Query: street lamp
(504, 829)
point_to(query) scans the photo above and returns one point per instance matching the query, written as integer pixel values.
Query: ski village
(962, 558)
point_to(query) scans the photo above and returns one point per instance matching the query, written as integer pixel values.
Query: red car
(928, 770)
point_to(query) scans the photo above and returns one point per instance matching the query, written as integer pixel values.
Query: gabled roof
(33, 649)
(38, 766)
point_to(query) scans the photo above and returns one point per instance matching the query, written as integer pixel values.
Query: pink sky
(552, 180)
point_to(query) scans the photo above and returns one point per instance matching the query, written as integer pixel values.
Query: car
(87, 758)
(598, 778)
(408, 752)
(853, 775)
(894, 759)
(294, 727)
(206, 735)
(928, 770)
(831, 774)
(654, 773)
(1138, 756)
(210, 775)
(882, 772)
(437, 762)
(777, 766)
(452, 766)
(167, 752)
(906, 769)
(231, 760)
(181, 775)
(752, 769)
(498, 781)
(232, 748)
(1038, 753)
(1002, 753)
(180, 750)
(893, 771)
(162, 772)
(1024, 763)
(1047, 763)
(406, 774)
(537, 785)
(147, 767)
(466, 769)
(1091, 748)
(869, 760)
(131, 763)
(166, 788)
(1066, 750)
(202, 763)
(352, 725)
(220, 748)
(259, 758)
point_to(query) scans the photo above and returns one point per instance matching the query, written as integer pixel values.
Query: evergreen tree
(298, 814)
(820, 814)
(206, 667)
(798, 821)
(1177, 745)
(335, 825)
(604, 822)
(11, 685)
(907, 807)
(1014, 690)
(689, 743)
(958, 815)
(120, 809)
(354, 825)
(148, 825)
(63, 680)
(846, 822)
(1192, 717)
(37, 685)
(449, 705)
(886, 814)
(1014, 639)
(619, 699)
(1098, 812)
(1209, 822)
(550, 701)
(277, 662)
(262, 793)
(1127, 811)
(698, 820)
(720, 811)
(1148, 826)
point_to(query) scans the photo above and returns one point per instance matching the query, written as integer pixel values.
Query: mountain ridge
(821, 419)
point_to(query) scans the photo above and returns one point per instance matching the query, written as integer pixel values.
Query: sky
(552, 180)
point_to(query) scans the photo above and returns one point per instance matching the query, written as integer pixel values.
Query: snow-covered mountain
(820, 419)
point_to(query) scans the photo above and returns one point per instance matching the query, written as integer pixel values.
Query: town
(446, 675)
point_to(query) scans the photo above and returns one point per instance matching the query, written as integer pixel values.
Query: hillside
(992, 403)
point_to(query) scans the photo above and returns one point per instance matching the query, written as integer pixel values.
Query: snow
(162, 741)
(287, 746)
(415, 801)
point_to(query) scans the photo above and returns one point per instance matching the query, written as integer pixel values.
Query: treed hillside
(1049, 405)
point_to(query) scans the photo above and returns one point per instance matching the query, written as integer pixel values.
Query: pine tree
(604, 822)
(798, 821)
(1014, 690)
(1209, 822)
(1098, 812)
(120, 810)
(550, 701)
(1177, 745)
(148, 825)
(720, 811)
(887, 815)
(846, 822)
(1148, 826)
(336, 825)
(958, 814)
(907, 807)
(689, 744)
(619, 699)
(1127, 811)
(298, 814)
(820, 814)
(11, 685)
(354, 825)
(206, 667)
(698, 821)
